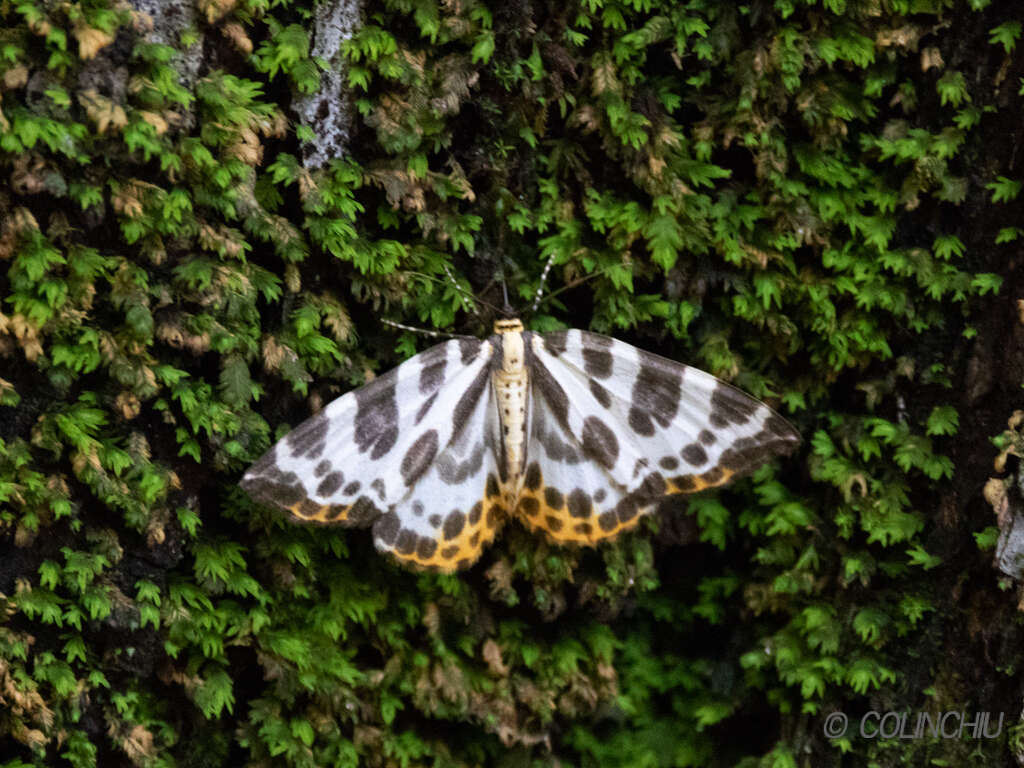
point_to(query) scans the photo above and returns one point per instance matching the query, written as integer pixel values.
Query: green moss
(813, 200)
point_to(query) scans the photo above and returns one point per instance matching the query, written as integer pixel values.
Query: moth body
(511, 386)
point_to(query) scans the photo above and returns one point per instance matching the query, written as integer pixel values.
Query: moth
(573, 433)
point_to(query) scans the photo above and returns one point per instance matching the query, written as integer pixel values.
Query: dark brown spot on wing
(454, 472)
(730, 406)
(419, 457)
(555, 448)
(426, 548)
(597, 360)
(453, 524)
(656, 393)
(533, 478)
(406, 542)
(376, 420)
(468, 349)
(685, 483)
(602, 395)
(273, 492)
(267, 463)
(579, 503)
(335, 512)
(330, 484)
(554, 396)
(434, 362)
(492, 488)
(553, 497)
(652, 488)
(468, 402)
(555, 342)
(713, 476)
(307, 508)
(694, 454)
(626, 509)
(599, 442)
(425, 408)
(529, 506)
(363, 512)
(386, 528)
(748, 453)
(307, 439)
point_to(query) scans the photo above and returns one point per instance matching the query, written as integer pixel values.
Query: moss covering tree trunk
(816, 200)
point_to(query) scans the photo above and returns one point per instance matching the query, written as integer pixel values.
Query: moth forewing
(369, 446)
(616, 429)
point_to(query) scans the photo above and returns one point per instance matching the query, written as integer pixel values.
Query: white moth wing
(364, 452)
(615, 429)
(563, 490)
(454, 505)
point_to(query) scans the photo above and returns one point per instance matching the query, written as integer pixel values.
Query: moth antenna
(467, 306)
(423, 331)
(569, 286)
(540, 287)
(473, 307)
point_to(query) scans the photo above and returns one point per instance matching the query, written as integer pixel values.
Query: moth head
(510, 325)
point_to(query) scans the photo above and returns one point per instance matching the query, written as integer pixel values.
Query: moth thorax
(512, 351)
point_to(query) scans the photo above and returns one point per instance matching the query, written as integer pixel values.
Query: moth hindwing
(575, 434)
